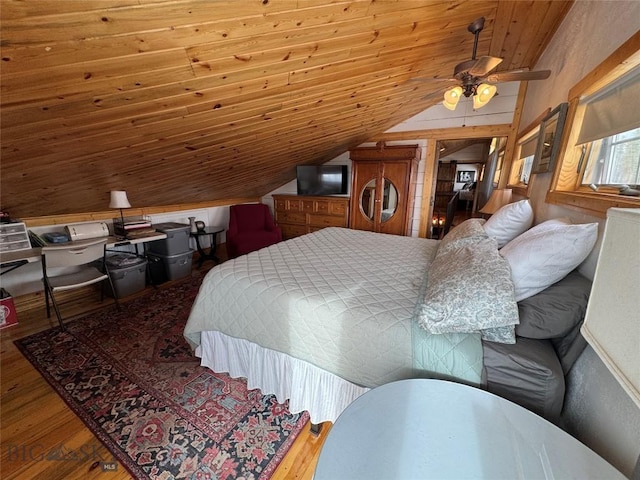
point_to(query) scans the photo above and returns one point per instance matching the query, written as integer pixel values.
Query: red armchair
(251, 227)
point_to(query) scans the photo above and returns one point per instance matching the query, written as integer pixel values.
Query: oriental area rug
(133, 380)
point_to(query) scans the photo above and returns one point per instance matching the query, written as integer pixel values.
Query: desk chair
(61, 258)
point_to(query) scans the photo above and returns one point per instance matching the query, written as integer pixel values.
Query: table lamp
(119, 200)
(499, 198)
(611, 324)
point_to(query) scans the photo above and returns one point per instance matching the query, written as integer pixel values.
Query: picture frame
(549, 139)
(464, 176)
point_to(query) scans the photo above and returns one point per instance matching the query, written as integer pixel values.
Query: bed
(322, 318)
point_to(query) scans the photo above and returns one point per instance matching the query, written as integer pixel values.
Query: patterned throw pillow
(469, 289)
(467, 233)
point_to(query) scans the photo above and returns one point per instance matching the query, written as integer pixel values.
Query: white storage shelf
(14, 237)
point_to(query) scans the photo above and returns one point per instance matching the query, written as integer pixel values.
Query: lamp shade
(499, 198)
(119, 199)
(452, 97)
(484, 93)
(611, 324)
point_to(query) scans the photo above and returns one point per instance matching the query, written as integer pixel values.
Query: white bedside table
(443, 430)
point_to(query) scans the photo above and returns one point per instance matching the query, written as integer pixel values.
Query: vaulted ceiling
(187, 101)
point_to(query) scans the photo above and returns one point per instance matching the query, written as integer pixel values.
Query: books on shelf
(36, 240)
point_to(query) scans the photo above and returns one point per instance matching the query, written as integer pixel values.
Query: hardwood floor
(35, 421)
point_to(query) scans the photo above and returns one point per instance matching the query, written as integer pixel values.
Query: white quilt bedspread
(339, 299)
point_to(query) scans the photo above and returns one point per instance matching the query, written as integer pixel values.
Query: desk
(213, 231)
(121, 242)
(437, 429)
(13, 260)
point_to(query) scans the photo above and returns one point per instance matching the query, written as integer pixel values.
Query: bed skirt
(307, 387)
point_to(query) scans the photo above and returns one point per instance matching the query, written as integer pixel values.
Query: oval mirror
(389, 200)
(367, 199)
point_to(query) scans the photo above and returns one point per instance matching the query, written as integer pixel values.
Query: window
(609, 136)
(527, 152)
(613, 160)
(521, 167)
(601, 146)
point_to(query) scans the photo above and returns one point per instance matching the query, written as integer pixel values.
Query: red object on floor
(251, 227)
(8, 314)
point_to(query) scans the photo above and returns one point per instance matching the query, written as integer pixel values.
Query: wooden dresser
(297, 215)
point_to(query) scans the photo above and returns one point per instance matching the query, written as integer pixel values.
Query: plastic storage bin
(14, 237)
(177, 240)
(128, 274)
(175, 266)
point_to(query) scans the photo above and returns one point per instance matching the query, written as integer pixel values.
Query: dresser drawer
(338, 208)
(308, 206)
(292, 231)
(295, 206)
(322, 207)
(298, 215)
(280, 204)
(326, 221)
(291, 217)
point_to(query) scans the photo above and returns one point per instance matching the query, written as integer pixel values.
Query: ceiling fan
(472, 75)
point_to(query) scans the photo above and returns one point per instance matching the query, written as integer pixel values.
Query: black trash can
(157, 270)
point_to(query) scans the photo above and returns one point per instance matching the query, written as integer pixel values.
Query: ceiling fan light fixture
(452, 97)
(484, 93)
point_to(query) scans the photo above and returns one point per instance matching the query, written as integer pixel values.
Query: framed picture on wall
(549, 139)
(465, 176)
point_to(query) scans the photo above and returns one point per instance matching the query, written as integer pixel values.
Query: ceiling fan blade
(518, 76)
(432, 79)
(438, 94)
(484, 65)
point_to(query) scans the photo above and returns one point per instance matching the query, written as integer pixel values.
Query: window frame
(566, 185)
(513, 182)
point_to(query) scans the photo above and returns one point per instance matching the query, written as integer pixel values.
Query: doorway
(466, 171)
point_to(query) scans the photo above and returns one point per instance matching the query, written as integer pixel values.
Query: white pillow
(509, 222)
(546, 253)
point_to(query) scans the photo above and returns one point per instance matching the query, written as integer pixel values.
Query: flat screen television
(322, 179)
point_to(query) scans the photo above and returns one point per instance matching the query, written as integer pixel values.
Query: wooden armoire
(383, 188)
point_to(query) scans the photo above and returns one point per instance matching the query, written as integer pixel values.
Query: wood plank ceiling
(186, 101)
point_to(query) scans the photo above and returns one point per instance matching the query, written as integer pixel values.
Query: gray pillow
(527, 373)
(569, 347)
(555, 311)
